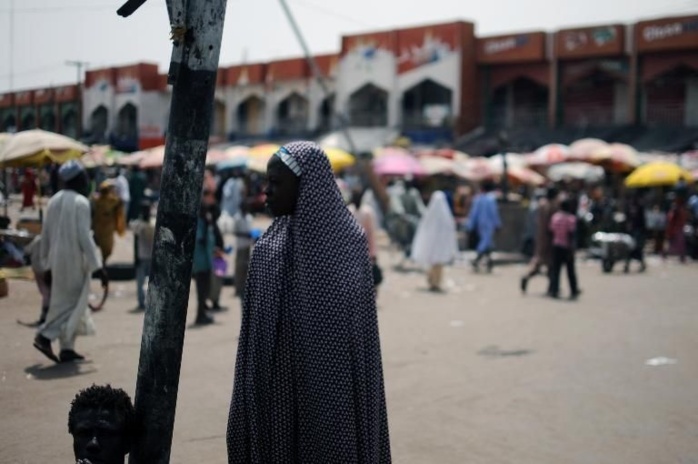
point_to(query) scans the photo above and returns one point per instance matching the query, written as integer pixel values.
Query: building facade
(431, 83)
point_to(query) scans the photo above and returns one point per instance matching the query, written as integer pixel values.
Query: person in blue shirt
(484, 220)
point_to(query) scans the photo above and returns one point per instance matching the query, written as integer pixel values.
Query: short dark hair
(104, 397)
(567, 206)
(487, 186)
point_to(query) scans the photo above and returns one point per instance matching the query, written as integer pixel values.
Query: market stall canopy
(339, 159)
(584, 149)
(617, 157)
(36, 147)
(548, 155)
(101, 155)
(657, 174)
(397, 164)
(576, 171)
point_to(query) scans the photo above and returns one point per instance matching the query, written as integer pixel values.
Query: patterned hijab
(308, 377)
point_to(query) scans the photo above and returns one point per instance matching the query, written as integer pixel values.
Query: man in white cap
(69, 256)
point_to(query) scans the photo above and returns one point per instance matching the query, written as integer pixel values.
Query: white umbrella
(578, 171)
(36, 147)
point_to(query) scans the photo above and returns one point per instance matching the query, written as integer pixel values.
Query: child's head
(566, 206)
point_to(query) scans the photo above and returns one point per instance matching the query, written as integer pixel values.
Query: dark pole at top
(197, 29)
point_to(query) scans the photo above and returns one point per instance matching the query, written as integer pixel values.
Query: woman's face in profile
(282, 188)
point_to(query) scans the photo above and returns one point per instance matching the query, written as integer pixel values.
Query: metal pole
(11, 43)
(78, 67)
(197, 29)
(369, 177)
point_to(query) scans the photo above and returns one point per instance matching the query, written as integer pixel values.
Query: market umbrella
(475, 169)
(657, 174)
(339, 159)
(584, 149)
(398, 165)
(617, 157)
(152, 158)
(436, 165)
(524, 175)
(514, 160)
(548, 155)
(577, 171)
(390, 151)
(36, 147)
(101, 155)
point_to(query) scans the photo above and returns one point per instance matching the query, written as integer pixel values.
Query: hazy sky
(49, 32)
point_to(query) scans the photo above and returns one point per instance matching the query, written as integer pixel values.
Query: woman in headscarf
(308, 377)
(107, 218)
(435, 242)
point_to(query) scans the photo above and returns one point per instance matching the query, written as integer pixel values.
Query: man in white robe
(69, 256)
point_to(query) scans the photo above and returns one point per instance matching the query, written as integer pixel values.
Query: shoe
(554, 296)
(218, 308)
(575, 295)
(203, 319)
(43, 344)
(524, 284)
(490, 265)
(70, 356)
(476, 265)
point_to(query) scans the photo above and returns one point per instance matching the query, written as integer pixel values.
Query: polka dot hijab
(308, 378)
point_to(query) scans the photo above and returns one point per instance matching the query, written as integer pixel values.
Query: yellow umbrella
(657, 174)
(35, 147)
(339, 159)
(264, 150)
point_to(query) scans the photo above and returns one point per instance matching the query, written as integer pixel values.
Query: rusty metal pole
(197, 29)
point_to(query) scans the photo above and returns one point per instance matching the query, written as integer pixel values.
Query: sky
(47, 33)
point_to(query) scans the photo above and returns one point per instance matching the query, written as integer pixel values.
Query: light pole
(79, 65)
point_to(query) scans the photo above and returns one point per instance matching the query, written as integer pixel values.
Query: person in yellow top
(107, 218)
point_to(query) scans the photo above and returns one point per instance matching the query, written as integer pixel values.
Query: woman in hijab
(435, 242)
(308, 377)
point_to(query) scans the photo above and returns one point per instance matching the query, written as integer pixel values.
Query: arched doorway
(368, 107)
(519, 103)
(427, 104)
(292, 115)
(69, 123)
(29, 121)
(99, 120)
(590, 99)
(250, 116)
(48, 120)
(668, 97)
(9, 123)
(326, 113)
(127, 122)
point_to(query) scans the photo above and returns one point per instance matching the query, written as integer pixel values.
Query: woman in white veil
(435, 242)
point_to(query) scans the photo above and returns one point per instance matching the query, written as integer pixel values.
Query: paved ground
(479, 374)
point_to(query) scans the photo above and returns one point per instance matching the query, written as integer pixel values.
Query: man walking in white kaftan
(69, 256)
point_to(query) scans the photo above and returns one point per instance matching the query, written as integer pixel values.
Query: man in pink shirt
(563, 225)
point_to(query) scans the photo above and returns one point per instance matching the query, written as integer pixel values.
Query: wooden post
(197, 29)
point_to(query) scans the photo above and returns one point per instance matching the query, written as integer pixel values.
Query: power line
(332, 13)
(72, 8)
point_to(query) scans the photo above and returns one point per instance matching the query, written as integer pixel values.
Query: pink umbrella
(398, 165)
(549, 154)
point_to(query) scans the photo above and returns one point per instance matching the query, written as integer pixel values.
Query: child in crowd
(563, 226)
(144, 233)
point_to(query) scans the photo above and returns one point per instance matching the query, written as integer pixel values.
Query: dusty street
(480, 374)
